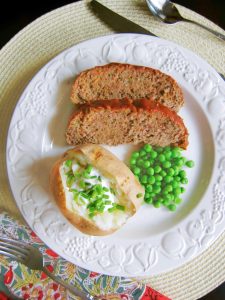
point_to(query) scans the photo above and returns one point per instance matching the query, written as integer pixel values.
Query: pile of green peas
(160, 171)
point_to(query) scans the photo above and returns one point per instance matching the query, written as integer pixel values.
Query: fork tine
(14, 242)
(11, 256)
(13, 252)
(23, 248)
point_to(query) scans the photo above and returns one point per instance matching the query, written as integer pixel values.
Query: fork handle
(218, 34)
(73, 290)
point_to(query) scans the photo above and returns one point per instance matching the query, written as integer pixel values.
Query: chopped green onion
(120, 207)
(139, 195)
(68, 163)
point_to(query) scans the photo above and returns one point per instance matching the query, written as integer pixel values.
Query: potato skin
(109, 165)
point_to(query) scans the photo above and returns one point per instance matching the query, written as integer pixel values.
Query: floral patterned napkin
(19, 281)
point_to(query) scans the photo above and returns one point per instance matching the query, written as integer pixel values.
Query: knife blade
(119, 23)
(115, 21)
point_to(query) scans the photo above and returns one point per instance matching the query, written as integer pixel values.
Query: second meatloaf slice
(119, 81)
(125, 121)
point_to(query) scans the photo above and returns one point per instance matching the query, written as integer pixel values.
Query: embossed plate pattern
(154, 240)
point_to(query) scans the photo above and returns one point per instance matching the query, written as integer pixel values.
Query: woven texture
(35, 45)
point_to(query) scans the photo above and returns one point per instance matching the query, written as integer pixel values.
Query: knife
(119, 23)
(115, 21)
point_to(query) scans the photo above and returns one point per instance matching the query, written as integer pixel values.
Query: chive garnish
(139, 195)
(68, 163)
(89, 169)
(97, 195)
(120, 207)
(107, 202)
(70, 180)
(112, 191)
(111, 209)
(84, 195)
(82, 184)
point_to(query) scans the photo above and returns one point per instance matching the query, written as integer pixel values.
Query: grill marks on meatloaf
(119, 81)
(114, 122)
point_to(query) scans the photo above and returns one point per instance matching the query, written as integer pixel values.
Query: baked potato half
(94, 190)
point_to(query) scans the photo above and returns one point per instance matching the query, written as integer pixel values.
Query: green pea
(176, 170)
(165, 202)
(167, 148)
(154, 154)
(144, 179)
(177, 191)
(167, 197)
(137, 171)
(175, 184)
(160, 199)
(175, 153)
(179, 162)
(148, 188)
(159, 183)
(182, 174)
(168, 179)
(170, 172)
(184, 180)
(182, 189)
(168, 155)
(161, 158)
(177, 178)
(156, 189)
(158, 149)
(156, 204)
(135, 154)
(166, 164)
(157, 169)
(150, 171)
(158, 178)
(146, 164)
(151, 179)
(147, 195)
(140, 162)
(148, 148)
(148, 200)
(163, 173)
(190, 163)
(172, 197)
(165, 193)
(142, 153)
(152, 195)
(168, 188)
(172, 207)
(133, 161)
(177, 200)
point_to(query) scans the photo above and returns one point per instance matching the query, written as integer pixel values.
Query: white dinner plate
(154, 240)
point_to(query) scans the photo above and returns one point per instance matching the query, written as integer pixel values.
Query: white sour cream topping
(104, 220)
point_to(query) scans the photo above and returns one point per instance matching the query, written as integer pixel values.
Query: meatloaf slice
(119, 81)
(114, 122)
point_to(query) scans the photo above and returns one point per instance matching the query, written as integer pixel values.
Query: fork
(33, 259)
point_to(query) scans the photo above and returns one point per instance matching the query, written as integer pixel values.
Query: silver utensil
(168, 13)
(119, 23)
(32, 258)
(115, 21)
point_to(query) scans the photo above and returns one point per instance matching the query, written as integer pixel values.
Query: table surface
(14, 17)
